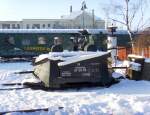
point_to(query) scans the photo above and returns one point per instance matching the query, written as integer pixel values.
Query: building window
(41, 40)
(43, 25)
(26, 42)
(5, 26)
(27, 26)
(36, 26)
(49, 25)
(11, 40)
(54, 26)
(13, 26)
(18, 26)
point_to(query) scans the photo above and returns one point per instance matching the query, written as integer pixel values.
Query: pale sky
(23, 9)
(47, 9)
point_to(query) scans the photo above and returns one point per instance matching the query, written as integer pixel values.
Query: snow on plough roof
(70, 57)
(91, 31)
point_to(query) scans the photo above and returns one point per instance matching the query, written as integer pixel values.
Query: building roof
(75, 14)
(147, 29)
(91, 31)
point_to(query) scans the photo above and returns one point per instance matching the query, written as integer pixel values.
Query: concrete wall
(83, 19)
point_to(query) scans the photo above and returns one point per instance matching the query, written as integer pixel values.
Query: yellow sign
(36, 48)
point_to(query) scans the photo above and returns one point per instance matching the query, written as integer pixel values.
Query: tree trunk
(128, 26)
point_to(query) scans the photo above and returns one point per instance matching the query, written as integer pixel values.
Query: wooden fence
(124, 51)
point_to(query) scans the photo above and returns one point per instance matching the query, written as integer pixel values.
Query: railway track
(29, 110)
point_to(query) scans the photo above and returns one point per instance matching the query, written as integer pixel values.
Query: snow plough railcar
(70, 68)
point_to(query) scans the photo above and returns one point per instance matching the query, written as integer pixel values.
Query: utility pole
(93, 18)
(83, 20)
(83, 10)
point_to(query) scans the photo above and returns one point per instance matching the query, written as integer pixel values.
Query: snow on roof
(39, 30)
(147, 29)
(135, 56)
(80, 57)
(147, 60)
(75, 14)
(72, 15)
(135, 64)
(121, 32)
(41, 57)
(91, 31)
(58, 55)
(69, 57)
(97, 31)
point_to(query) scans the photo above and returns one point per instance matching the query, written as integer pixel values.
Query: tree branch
(118, 21)
(141, 26)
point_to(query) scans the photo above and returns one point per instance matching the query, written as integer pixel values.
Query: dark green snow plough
(58, 69)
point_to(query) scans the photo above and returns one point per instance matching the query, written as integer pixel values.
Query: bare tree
(129, 13)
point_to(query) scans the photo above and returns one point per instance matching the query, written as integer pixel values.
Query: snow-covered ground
(125, 98)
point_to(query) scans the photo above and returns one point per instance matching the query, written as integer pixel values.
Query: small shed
(136, 67)
(146, 70)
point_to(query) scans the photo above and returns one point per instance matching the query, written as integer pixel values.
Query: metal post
(83, 9)
(93, 18)
(83, 19)
(112, 43)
